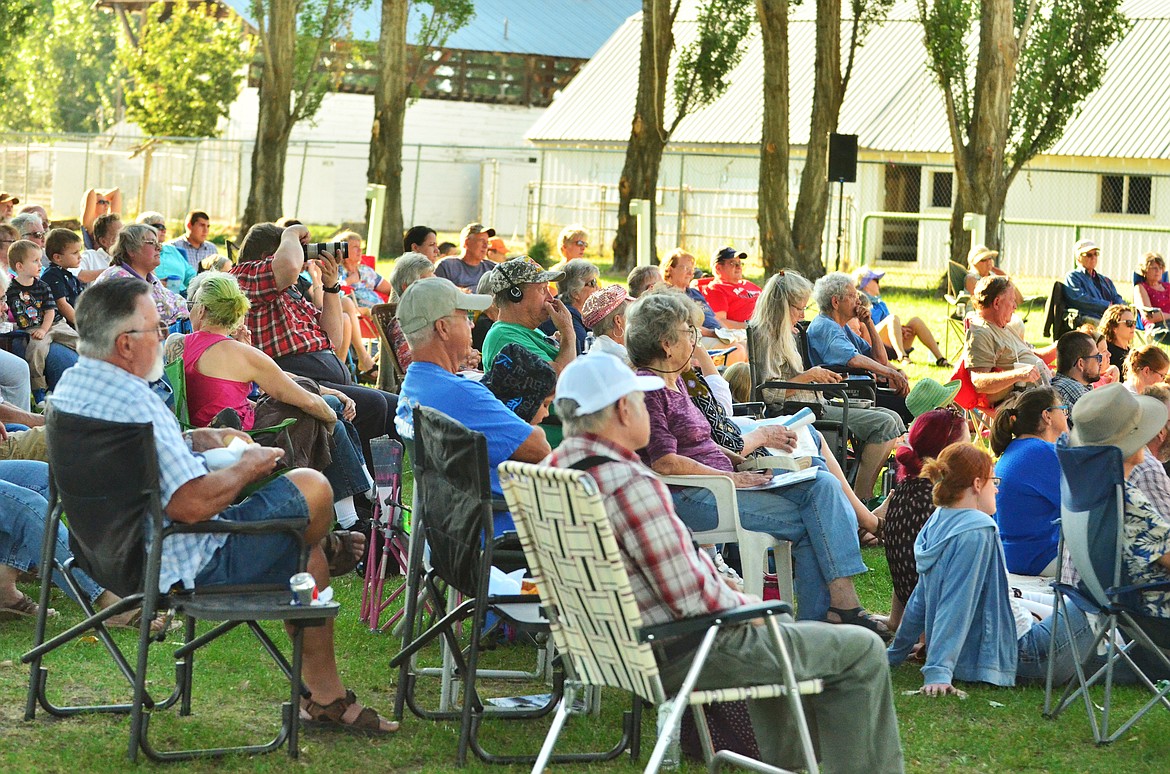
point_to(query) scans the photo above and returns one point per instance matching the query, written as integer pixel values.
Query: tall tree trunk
(639, 178)
(775, 227)
(980, 168)
(808, 222)
(278, 44)
(385, 166)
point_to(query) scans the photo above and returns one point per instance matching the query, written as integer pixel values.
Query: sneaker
(726, 571)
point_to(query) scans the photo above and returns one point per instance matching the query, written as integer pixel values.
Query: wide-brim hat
(1114, 416)
(8, 198)
(980, 253)
(927, 394)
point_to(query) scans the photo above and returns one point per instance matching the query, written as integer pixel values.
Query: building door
(903, 191)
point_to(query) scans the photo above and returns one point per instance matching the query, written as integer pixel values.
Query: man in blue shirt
(1086, 290)
(433, 317)
(466, 268)
(831, 343)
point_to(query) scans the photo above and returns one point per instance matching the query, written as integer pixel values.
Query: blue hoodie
(961, 601)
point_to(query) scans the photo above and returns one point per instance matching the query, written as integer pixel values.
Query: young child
(30, 301)
(64, 250)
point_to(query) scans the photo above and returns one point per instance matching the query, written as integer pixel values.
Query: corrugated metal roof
(563, 28)
(892, 103)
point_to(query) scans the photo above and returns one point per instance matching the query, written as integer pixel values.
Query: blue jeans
(1033, 647)
(24, 485)
(345, 473)
(57, 360)
(814, 515)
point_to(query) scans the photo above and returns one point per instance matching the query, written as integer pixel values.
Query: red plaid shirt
(670, 578)
(281, 320)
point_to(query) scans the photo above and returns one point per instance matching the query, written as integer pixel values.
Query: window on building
(942, 189)
(1127, 194)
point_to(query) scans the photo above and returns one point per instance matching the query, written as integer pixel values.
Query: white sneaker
(725, 570)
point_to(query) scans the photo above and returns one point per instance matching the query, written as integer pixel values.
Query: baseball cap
(521, 270)
(1114, 416)
(475, 228)
(498, 245)
(599, 380)
(433, 298)
(727, 253)
(864, 275)
(601, 303)
(1084, 246)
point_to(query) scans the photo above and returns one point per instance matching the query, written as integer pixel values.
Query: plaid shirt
(670, 578)
(1069, 389)
(194, 255)
(282, 321)
(101, 390)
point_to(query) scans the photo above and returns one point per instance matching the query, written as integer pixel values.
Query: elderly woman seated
(679, 272)
(781, 306)
(579, 283)
(605, 314)
(408, 268)
(813, 514)
(219, 372)
(137, 253)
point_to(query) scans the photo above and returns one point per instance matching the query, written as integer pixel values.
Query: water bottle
(672, 757)
(589, 341)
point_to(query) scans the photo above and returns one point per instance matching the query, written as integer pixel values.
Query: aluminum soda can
(303, 587)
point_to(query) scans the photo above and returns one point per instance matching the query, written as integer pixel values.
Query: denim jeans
(24, 485)
(15, 385)
(57, 361)
(345, 473)
(814, 515)
(1033, 647)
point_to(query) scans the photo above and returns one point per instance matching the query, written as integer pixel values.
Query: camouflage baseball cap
(521, 271)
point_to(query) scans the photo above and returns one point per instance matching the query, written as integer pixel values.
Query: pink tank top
(208, 395)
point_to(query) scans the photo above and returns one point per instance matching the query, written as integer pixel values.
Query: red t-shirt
(736, 300)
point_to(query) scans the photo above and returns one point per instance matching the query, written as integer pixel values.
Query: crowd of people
(553, 365)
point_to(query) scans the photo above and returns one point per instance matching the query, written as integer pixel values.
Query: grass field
(237, 691)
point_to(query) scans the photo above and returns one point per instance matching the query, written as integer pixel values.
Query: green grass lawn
(237, 690)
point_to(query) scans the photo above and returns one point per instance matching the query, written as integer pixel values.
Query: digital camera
(340, 250)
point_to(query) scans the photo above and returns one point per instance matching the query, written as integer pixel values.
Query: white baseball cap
(598, 380)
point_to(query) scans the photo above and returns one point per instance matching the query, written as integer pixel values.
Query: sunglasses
(1064, 407)
(1129, 323)
(581, 243)
(1098, 357)
(35, 235)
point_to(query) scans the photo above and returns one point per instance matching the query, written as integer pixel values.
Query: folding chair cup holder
(1093, 534)
(117, 539)
(597, 626)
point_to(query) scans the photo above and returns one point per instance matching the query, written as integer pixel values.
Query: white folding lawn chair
(586, 593)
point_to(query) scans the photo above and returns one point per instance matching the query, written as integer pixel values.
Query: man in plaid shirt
(290, 329)
(853, 722)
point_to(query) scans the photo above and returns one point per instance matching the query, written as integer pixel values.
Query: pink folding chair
(389, 537)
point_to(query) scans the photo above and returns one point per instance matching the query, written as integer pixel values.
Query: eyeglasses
(1098, 357)
(591, 283)
(34, 235)
(692, 332)
(161, 330)
(7, 241)
(1062, 407)
(150, 242)
(995, 480)
(581, 243)
(1128, 323)
(103, 201)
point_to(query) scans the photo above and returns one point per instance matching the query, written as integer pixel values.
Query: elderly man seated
(1087, 290)
(433, 316)
(832, 343)
(524, 301)
(120, 344)
(998, 360)
(853, 722)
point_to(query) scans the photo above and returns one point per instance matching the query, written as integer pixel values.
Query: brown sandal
(343, 715)
(338, 548)
(23, 608)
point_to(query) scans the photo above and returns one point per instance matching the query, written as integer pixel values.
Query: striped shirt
(101, 390)
(670, 578)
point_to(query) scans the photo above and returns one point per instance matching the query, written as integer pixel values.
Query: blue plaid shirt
(101, 390)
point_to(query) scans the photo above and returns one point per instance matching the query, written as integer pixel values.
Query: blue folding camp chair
(1092, 530)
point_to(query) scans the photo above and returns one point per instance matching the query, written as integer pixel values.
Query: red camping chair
(978, 408)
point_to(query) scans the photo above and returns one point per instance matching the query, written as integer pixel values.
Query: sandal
(23, 608)
(369, 376)
(343, 715)
(162, 623)
(942, 362)
(339, 550)
(859, 617)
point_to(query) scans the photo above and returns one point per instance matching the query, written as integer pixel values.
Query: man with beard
(1150, 475)
(1078, 366)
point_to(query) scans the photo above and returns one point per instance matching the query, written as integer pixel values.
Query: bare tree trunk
(808, 222)
(278, 40)
(980, 168)
(775, 227)
(385, 165)
(639, 178)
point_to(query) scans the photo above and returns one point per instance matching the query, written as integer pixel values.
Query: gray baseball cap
(431, 299)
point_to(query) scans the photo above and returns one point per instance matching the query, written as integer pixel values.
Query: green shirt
(502, 333)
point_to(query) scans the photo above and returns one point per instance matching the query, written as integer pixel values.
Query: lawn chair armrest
(294, 526)
(755, 409)
(685, 626)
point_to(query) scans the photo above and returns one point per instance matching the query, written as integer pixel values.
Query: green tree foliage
(435, 25)
(17, 14)
(64, 75)
(184, 74)
(700, 75)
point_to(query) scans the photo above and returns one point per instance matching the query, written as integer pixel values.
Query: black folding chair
(112, 506)
(453, 518)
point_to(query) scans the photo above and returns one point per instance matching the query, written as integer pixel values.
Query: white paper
(781, 480)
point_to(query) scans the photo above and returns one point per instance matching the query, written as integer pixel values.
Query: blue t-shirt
(469, 403)
(464, 276)
(833, 344)
(173, 269)
(879, 310)
(709, 318)
(1028, 504)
